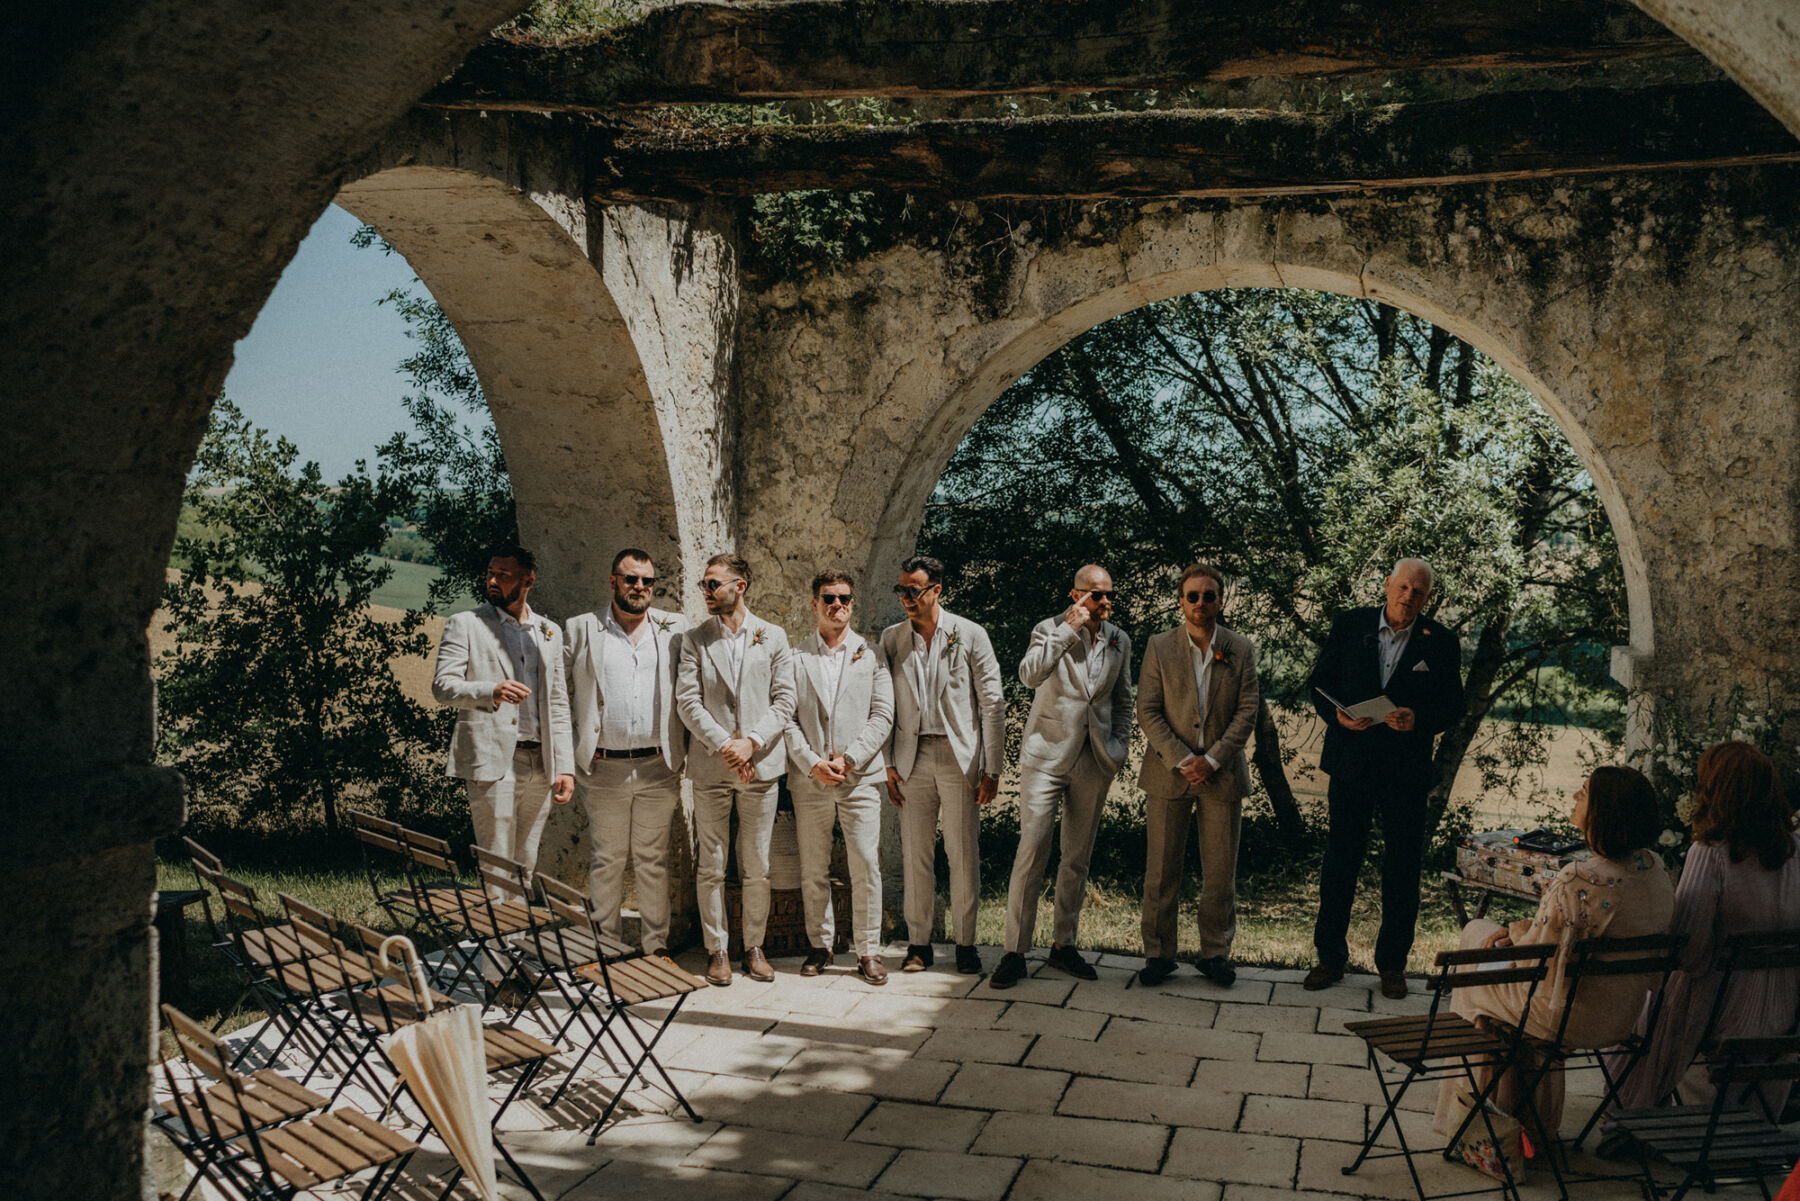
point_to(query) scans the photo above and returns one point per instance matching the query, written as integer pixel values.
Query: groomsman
(1197, 702)
(735, 692)
(1075, 742)
(501, 666)
(836, 740)
(629, 744)
(945, 757)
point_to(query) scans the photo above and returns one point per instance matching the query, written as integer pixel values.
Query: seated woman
(1741, 875)
(1622, 892)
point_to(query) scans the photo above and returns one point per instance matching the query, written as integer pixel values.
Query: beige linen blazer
(1065, 716)
(856, 722)
(969, 695)
(471, 660)
(583, 657)
(716, 706)
(1168, 709)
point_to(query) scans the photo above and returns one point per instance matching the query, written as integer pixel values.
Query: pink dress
(1716, 898)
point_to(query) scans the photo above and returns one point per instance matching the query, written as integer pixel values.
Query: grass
(410, 587)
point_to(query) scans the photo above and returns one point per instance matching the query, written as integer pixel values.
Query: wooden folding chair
(437, 874)
(1441, 1045)
(478, 916)
(1742, 954)
(618, 987)
(1727, 1139)
(264, 1137)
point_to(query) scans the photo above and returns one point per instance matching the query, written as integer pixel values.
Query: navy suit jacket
(1427, 680)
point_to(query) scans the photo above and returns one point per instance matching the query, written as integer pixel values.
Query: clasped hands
(1398, 719)
(832, 770)
(737, 753)
(1196, 769)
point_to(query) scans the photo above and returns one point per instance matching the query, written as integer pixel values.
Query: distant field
(408, 588)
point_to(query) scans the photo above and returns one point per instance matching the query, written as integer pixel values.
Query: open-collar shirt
(522, 649)
(924, 669)
(631, 707)
(1392, 644)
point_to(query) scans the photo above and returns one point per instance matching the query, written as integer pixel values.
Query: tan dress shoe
(871, 969)
(757, 967)
(718, 969)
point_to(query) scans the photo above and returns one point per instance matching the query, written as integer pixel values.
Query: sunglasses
(1102, 594)
(836, 598)
(715, 585)
(1194, 598)
(908, 592)
(632, 581)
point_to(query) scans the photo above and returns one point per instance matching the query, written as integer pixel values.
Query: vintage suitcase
(1522, 863)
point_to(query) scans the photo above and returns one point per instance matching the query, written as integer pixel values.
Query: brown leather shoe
(1393, 985)
(718, 969)
(817, 960)
(1322, 976)
(918, 957)
(756, 967)
(871, 969)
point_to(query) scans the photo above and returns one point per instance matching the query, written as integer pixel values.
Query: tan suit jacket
(471, 660)
(1065, 716)
(970, 699)
(584, 656)
(1168, 709)
(856, 722)
(716, 705)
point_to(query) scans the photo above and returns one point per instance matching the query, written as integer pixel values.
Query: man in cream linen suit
(1197, 701)
(835, 743)
(1075, 742)
(629, 744)
(946, 754)
(501, 666)
(735, 691)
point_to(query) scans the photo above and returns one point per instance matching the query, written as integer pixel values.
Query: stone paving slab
(795, 1156)
(1045, 1180)
(1118, 1063)
(993, 1086)
(924, 1127)
(1052, 1019)
(1094, 1098)
(1301, 1118)
(1159, 1038)
(1135, 1145)
(1232, 1157)
(946, 1174)
(984, 1046)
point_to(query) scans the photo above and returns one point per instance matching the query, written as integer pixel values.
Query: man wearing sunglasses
(835, 743)
(1075, 742)
(629, 744)
(1197, 700)
(735, 691)
(1383, 766)
(945, 757)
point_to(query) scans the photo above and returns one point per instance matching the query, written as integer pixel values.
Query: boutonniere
(950, 641)
(1112, 644)
(756, 639)
(1219, 656)
(1425, 630)
(548, 630)
(860, 652)
(664, 624)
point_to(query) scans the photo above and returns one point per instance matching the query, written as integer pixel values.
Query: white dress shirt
(522, 649)
(1203, 662)
(831, 666)
(1392, 644)
(924, 670)
(734, 644)
(631, 709)
(1096, 657)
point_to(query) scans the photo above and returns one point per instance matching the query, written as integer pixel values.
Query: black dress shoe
(1070, 961)
(1155, 971)
(1322, 976)
(817, 960)
(1393, 985)
(968, 960)
(1218, 969)
(1009, 971)
(918, 957)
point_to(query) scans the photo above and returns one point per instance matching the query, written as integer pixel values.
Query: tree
(279, 700)
(1302, 441)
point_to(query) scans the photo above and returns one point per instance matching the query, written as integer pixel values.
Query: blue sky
(319, 366)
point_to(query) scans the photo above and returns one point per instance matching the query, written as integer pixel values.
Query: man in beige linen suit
(1197, 702)
(835, 743)
(629, 744)
(945, 757)
(735, 692)
(1075, 742)
(500, 665)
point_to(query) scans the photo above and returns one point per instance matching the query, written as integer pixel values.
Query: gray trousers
(857, 808)
(938, 787)
(1079, 793)
(630, 803)
(755, 804)
(1221, 825)
(510, 813)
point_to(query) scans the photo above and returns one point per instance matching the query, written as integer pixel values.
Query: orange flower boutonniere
(1219, 657)
(757, 638)
(860, 652)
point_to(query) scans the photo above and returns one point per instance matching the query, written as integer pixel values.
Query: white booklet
(1376, 707)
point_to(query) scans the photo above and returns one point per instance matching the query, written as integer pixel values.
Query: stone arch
(555, 358)
(962, 408)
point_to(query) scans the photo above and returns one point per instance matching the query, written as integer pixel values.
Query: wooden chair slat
(393, 1141)
(293, 1160)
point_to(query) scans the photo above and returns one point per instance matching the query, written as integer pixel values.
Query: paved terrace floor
(938, 1086)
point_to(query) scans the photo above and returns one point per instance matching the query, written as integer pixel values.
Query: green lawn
(409, 586)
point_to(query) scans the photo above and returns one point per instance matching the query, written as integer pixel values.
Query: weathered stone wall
(1757, 42)
(1655, 317)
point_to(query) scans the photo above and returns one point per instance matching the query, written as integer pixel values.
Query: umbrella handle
(414, 974)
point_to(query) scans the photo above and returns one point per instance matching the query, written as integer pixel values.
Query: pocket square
(1420, 666)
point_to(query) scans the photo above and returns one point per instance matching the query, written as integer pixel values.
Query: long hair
(1621, 813)
(1738, 802)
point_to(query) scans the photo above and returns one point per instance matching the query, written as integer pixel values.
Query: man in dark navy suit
(1381, 766)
